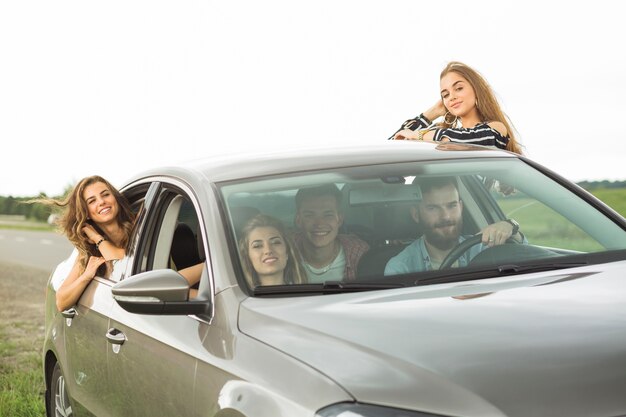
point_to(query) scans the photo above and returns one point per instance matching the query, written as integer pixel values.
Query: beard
(444, 235)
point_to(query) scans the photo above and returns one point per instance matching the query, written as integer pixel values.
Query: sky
(116, 87)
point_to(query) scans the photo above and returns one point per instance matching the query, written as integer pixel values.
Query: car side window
(173, 235)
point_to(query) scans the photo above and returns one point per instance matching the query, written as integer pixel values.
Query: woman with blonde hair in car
(268, 255)
(98, 221)
(469, 110)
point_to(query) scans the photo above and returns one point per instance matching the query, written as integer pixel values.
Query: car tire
(58, 400)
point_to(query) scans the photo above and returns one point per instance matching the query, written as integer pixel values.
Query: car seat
(184, 250)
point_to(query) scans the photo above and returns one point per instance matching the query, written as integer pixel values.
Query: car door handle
(69, 313)
(116, 337)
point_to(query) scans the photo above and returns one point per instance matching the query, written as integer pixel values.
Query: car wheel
(58, 400)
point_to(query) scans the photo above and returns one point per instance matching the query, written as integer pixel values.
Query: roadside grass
(612, 197)
(21, 393)
(21, 339)
(35, 226)
(21, 380)
(543, 226)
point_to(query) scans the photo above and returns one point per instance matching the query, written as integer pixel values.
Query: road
(35, 249)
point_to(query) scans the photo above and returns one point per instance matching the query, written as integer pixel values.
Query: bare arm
(74, 285)
(437, 110)
(108, 250)
(192, 273)
(407, 134)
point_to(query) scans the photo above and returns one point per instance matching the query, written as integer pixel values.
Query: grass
(21, 340)
(612, 197)
(45, 227)
(21, 393)
(543, 226)
(21, 381)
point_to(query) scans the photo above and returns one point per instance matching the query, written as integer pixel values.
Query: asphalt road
(35, 249)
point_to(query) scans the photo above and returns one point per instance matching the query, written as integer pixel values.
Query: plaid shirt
(353, 248)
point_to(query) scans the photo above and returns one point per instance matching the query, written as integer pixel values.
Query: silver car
(532, 327)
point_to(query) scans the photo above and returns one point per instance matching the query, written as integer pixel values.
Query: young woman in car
(98, 221)
(470, 111)
(268, 254)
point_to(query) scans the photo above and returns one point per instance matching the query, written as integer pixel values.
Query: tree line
(19, 206)
(595, 185)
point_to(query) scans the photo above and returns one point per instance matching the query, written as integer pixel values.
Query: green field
(613, 197)
(542, 226)
(21, 381)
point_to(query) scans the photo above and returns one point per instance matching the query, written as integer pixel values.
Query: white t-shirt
(332, 272)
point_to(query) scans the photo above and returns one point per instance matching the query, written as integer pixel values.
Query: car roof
(249, 165)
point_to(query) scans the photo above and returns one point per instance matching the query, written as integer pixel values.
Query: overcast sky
(113, 87)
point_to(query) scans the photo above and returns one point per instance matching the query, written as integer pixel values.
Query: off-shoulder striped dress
(481, 134)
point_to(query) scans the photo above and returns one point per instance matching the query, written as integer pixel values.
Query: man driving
(440, 214)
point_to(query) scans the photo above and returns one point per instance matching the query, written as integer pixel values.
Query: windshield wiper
(328, 287)
(498, 271)
(518, 269)
(453, 275)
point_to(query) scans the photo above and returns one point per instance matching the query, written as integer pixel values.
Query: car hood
(538, 344)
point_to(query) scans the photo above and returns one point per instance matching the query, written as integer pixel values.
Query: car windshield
(391, 225)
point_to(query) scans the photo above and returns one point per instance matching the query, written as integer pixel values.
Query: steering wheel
(459, 250)
(463, 247)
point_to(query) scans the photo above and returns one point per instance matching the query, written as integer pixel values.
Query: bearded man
(440, 214)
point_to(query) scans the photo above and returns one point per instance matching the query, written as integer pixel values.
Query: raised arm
(108, 250)
(74, 285)
(420, 122)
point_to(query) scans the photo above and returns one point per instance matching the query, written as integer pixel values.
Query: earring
(477, 104)
(450, 122)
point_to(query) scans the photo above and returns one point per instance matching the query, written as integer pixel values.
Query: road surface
(35, 249)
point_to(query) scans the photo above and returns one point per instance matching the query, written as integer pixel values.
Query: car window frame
(165, 190)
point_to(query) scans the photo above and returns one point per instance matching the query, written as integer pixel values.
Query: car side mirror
(162, 291)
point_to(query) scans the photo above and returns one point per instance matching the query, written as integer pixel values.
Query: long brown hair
(75, 215)
(293, 273)
(486, 103)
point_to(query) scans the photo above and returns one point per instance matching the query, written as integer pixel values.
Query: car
(535, 326)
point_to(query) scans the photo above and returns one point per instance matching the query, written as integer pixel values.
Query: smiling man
(440, 214)
(327, 254)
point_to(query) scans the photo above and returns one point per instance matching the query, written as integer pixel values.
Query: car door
(152, 358)
(86, 348)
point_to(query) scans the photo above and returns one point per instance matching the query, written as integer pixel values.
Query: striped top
(482, 134)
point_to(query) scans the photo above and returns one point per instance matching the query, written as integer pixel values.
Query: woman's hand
(91, 233)
(73, 286)
(437, 110)
(406, 134)
(419, 134)
(92, 267)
